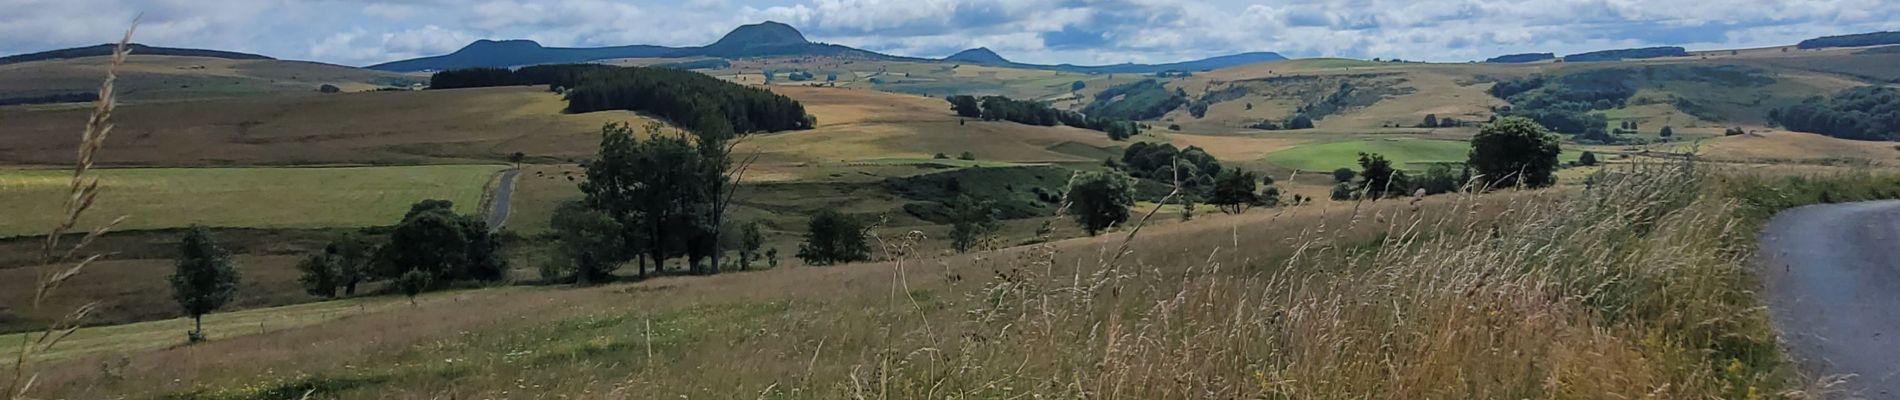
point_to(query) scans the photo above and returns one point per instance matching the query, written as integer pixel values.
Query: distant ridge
(1521, 58)
(764, 39)
(1628, 54)
(137, 49)
(1854, 40)
(755, 40)
(983, 56)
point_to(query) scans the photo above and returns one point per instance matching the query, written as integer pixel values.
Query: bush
(834, 238)
(1099, 200)
(1513, 151)
(1343, 175)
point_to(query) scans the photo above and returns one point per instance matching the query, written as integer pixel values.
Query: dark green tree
(204, 279)
(972, 222)
(1234, 191)
(352, 255)
(965, 106)
(834, 238)
(1077, 86)
(1587, 158)
(1431, 121)
(318, 274)
(448, 247)
(1299, 122)
(1514, 151)
(1376, 176)
(1344, 174)
(1100, 200)
(1667, 132)
(588, 241)
(413, 283)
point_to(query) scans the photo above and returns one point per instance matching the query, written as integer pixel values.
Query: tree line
(1508, 152)
(1863, 113)
(999, 108)
(688, 99)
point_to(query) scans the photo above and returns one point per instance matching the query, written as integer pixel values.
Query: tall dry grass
(71, 258)
(1637, 287)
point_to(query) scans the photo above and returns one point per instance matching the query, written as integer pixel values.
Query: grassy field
(1181, 312)
(153, 198)
(384, 128)
(171, 78)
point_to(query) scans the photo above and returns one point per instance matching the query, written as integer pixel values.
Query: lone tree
(1343, 175)
(1100, 200)
(972, 222)
(751, 239)
(413, 283)
(320, 276)
(204, 280)
(1667, 132)
(589, 243)
(1514, 151)
(449, 247)
(1234, 191)
(1377, 176)
(834, 238)
(1587, 158)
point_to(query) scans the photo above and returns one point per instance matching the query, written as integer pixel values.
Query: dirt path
(498, 204)
(1832, 275)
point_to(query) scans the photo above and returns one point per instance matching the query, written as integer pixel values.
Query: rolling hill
(757, 40)
(149, 78)
(765, 39)
(139, 49)
(984, 56)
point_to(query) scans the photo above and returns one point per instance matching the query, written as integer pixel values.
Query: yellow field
(437, 126)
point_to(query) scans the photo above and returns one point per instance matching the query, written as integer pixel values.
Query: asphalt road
(498, 205)
(1832, 282)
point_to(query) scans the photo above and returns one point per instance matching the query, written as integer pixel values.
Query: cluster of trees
(1234, 191)
(1509, 152)
(999, 108)
(664, 197)
(690, 100)
(1854, 40)
(1433, 121)
(1566, 104)
(1624, 54)
(81, 97)
(800, 76)
(430, 247)
(1864, 113)
(1161, 163)
(1297, 121)
(1146, 99)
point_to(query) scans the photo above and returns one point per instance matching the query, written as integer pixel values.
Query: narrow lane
(1831, 276)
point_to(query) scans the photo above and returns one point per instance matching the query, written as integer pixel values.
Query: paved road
(498, 204)
(1832, 275)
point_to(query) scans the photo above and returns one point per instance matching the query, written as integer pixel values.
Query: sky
(363, 32)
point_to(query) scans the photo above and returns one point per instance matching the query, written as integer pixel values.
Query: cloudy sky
(361, 32)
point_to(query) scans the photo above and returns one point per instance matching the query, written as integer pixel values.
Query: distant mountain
(514, 53)
(756, 40)
(1521, 58)
(137, 49)
(1628, 54)
(1855, 40)
(980, 55)
(983, 56)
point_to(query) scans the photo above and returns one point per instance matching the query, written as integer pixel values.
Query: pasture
(158, 198)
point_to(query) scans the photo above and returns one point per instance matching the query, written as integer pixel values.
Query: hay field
(425, 127)
(157, 198)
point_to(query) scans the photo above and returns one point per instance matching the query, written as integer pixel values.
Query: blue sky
(361, 32)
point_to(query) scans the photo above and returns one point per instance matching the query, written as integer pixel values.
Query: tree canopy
(204, 279)
(834, 238)
(1863, 113)
(1099, 200)
(1513, 151)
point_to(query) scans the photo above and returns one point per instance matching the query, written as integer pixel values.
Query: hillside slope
(146, 78)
